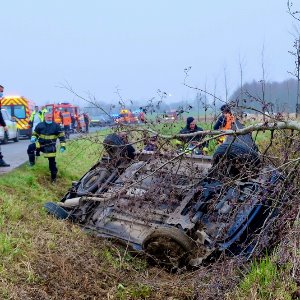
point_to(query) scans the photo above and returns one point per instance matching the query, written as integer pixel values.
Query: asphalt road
(15, 154)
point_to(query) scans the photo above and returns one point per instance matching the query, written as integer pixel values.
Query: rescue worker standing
(36, 117)
(73, 120)
(66, 120)
(44, 138)
(86, 121)
(225, 121)
(2, 123)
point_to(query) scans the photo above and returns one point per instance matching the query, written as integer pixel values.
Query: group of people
(191, 140)
(224, 122)
(69, 122)
(45, 133)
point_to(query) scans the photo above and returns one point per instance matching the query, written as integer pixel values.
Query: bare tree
(296, 73)
(225, 85)
(263, 84)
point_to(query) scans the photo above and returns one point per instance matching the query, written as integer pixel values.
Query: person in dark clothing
(86, 121)
(44, 138)
(2, 123)
(117, 146)
(191, 141)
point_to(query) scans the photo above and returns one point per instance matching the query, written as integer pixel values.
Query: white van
(13, 132)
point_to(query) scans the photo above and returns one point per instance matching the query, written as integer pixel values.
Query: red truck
(57, 109)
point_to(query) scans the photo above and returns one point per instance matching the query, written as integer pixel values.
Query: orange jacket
(229, 121)
(66, 118)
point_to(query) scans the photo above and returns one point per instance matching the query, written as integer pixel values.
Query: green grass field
(44, 258)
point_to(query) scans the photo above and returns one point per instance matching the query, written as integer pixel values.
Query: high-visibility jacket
(225, 122)
(66, 118)
(46, 135)
(40, 115)
(229, 120)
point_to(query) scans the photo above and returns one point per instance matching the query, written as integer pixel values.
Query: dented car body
(175, 208)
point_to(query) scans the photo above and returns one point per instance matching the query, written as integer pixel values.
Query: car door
(10, 125)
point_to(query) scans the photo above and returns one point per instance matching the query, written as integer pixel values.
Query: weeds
(43, 258)
(140, 291)
(266, 281)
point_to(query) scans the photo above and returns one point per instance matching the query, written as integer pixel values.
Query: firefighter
(44, 138)
(66, 120)
(225, 121)
(36, 117)
(2, 123)
(73, 121)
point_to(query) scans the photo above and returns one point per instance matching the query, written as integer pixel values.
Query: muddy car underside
(174, 208)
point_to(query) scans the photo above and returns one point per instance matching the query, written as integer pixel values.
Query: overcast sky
(140, 46)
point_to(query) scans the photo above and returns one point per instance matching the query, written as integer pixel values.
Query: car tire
(92, 180)
(235, 158)
(235, 150)
(169, 247)
(56, 211)
(16, 139)
(111, 143)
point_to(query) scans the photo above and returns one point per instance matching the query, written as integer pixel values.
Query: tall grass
(266, 281)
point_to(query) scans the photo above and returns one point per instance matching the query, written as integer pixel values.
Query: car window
(7, 108)
(49, 108)
(19, 111)
(5, 115)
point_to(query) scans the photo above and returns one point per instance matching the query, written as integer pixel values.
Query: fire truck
(126, 117)
(19, 108)
(57, 109)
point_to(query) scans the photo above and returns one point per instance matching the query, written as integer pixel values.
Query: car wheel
(234, 158)
(56, 211)
(16, 139)
(91, 182)
(169, 247)
(114, 145)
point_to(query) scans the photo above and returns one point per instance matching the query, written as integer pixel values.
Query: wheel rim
(166, 251)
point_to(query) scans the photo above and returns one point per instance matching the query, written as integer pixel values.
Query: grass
(266, 280)
(44, 258)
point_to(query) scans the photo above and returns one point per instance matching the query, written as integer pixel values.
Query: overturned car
(181, 210)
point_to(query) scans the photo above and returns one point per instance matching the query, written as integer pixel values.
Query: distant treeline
(277, 96)
(281, 96)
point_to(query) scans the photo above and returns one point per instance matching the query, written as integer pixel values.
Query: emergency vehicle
(126, 116)
(19, 108)
(57, 109)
